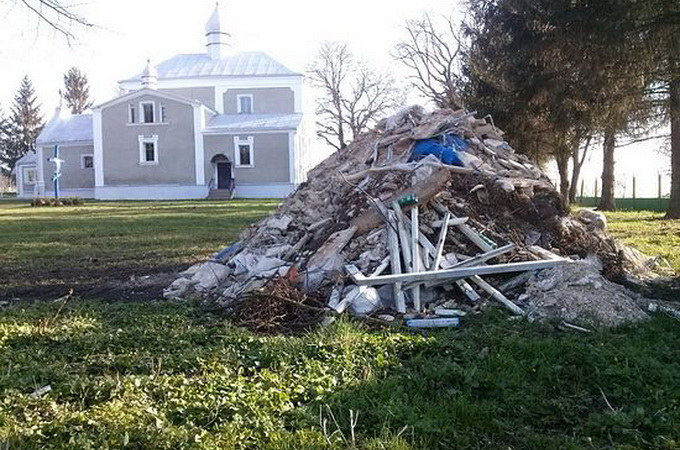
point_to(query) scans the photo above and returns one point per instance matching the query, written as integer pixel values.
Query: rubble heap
(426, 211)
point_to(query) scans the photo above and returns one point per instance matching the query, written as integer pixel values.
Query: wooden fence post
(634, 196)
(659, 193)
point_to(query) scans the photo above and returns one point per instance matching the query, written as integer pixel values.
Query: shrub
(66, 201)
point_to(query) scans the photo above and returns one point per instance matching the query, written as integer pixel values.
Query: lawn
(47, 250)
(649, 233)
(171, 375)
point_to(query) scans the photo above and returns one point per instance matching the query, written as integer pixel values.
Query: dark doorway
(223, 175)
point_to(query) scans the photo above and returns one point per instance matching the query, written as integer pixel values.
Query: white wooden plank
(452, 222)
(395, 264)
(497, 295)
(458, 273)
(440, 242)
(381, 268)
(415, 292)
(404, 238)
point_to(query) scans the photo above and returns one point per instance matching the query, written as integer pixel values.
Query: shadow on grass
(163, 373)
(506, 386)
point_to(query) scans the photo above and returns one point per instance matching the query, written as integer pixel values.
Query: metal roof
(28, 158)
(70, 128)
(236, 122)
(236, 65)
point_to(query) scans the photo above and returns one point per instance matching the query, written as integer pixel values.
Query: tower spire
(217, 40)
(149, 76)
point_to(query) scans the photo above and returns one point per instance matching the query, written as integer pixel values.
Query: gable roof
(29, 159)
(242, 64)
(146, 91)
(66, 128)
(243, 122)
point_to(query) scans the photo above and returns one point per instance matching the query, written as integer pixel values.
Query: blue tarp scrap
(445, 147)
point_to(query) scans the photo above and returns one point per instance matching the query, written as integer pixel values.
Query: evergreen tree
(5, 137)
(76, 91)
(25, 124)
(558, 72)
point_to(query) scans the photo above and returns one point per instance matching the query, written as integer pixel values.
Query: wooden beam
(415, 292)
(423, 190)
(456, 221)
(469, 292)
(465, 229)
(458, 273)
(475, 260)
(475, 237)
(440, 242)
(410, 167)
(381, 268)
(516, 281)
(395, 264)
(427, 246)
(404, 238)
(497, 295)
(464, 286)
(542, 253)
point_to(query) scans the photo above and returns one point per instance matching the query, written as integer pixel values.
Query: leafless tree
(431, 51)
(350, 95)
(59, 16)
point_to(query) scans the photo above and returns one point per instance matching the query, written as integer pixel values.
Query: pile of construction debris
(428, 212)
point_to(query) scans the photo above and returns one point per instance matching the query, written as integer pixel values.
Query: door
(223, 175)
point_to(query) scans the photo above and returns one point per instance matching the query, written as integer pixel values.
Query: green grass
(47, 250)
(171, 375)
(646, 231)
(152, 375)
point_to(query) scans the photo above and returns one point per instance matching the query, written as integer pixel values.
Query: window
(148, 150)
(164, 113)
(30, 175)
(244, 104)
(131, 114)
(86, 161)
(147, 112)
(244, 152)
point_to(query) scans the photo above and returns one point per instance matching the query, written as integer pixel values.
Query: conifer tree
(25, 124)
(4, 141)
(76, 91)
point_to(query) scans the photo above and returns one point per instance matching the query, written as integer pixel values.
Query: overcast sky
(127, 32)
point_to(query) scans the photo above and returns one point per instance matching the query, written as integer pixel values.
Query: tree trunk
(563, 168)
(578, 159)
(674, 205)
(607, 202)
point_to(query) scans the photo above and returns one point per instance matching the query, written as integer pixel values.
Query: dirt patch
(110, 284)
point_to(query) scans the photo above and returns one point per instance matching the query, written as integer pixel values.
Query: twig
(606, 401)
(63, 299)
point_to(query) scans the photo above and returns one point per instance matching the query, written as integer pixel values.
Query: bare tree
(351, 96)
(431, 51)
(59, 16)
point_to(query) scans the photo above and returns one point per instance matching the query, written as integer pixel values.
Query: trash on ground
(426, 214)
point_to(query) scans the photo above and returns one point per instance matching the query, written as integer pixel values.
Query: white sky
(127, 32)
(130, 31)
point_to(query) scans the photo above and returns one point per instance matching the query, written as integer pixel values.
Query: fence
(626, 191)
